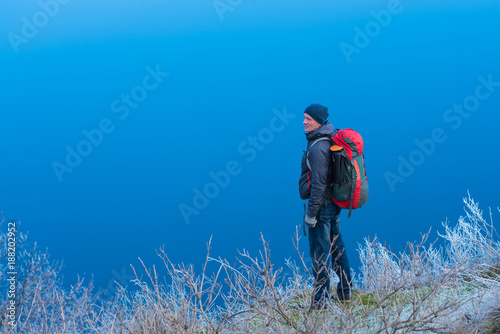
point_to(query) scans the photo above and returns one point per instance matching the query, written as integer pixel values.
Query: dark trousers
(326, 246)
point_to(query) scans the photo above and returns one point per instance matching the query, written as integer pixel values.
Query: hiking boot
(341, 297)
(318, 306)
(344, 298)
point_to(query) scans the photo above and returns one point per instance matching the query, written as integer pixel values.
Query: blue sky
(219, 83)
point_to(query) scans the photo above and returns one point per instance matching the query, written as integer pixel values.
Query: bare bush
(42, 305)
(473, 242)
(425, 288)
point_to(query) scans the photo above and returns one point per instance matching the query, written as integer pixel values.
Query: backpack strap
(314, 142)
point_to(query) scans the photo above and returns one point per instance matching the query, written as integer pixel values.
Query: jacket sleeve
(304, 179)
(319, 159)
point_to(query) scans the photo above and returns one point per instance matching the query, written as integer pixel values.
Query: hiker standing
(322, 215)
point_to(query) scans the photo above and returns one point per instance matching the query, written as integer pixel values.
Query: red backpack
(350, 184)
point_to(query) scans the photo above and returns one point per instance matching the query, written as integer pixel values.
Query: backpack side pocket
(342, 176)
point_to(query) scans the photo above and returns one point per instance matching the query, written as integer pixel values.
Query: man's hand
(310, 221)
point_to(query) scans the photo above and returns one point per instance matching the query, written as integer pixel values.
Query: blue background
(226, 76)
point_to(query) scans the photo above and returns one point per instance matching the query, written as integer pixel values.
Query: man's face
(310, 123)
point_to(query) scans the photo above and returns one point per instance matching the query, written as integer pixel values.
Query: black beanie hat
(317, 112)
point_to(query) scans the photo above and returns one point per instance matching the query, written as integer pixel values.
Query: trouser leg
(319, 246)
(340, 261)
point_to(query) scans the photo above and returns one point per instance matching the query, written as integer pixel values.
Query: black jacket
(313, 184)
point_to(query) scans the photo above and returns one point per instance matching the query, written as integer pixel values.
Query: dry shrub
(450, 289)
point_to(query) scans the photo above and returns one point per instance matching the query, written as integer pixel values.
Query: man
(322, 214)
